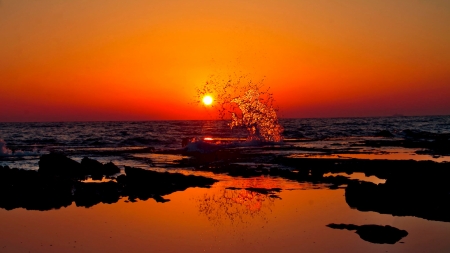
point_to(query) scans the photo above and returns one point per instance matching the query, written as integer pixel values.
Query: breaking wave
(5, 151)
(202, 146)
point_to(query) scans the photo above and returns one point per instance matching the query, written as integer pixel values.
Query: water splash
(236, 207)
(4, 151)
(247, 105)
(258, 118)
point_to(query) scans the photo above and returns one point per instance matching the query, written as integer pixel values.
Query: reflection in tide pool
(253, 222)
(235, 206)
(240, 201)
(359, 176)
(374, 154)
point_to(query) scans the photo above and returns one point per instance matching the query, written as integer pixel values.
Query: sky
(90, 60)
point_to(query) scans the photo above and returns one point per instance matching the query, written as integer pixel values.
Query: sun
(207, 100)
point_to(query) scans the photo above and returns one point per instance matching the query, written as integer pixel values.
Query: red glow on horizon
(127, 62)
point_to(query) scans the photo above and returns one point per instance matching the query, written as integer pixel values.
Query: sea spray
(247, 104)
(258, 118)
(4, 151)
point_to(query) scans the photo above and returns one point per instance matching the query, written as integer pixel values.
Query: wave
(202, 146)
(139, 141)
(418, 134)
(5, 151)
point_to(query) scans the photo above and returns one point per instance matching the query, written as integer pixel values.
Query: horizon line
(281, 118)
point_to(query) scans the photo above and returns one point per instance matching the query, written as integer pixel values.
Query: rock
(185, 141)
(90, 194)
(145, 184)
(423, 194)
(33, 190)
(374, 233)
(110, 169)
(37, 190)
(93, 168)
(61, 165)
(384, 133)
(97, 170)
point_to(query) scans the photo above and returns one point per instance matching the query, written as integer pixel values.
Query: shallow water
(25, 142)
(291, 216)
(213, 220)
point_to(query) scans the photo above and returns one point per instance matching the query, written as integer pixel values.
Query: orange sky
(142, 60)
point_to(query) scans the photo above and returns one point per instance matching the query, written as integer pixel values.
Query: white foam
(201, 146)
(5, 151)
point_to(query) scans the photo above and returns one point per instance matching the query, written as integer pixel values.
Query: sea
(21, 144)
(239, 212)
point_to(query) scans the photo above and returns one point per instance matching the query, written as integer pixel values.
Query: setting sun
(207, 100)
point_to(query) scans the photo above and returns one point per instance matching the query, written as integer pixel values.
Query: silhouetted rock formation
(145, 184)
(408, 192)
(90, 194)
(33, 190)
(424, 135)
(304, 170)
(438, 144)
(383, 169)
(60, 165)
(384, 133)
(374, 233)
(301, 174)
(97, 170)
(53, 188)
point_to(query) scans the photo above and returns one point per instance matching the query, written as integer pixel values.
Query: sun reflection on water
(240, 201)
(235, 206)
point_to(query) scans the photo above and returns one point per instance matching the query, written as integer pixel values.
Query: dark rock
(61, 165)
(423, 194)
(432, 143)
(424, 135)
(90, 194)
(92, 167)
(185, 141)
(38, 190)
(33, 190)
(374, 233)
(110, 169)
(97, 170)
(145, 184)
(379, 168)
(384, 133)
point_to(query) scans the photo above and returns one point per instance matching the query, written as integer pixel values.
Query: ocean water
(236, 214)
(21, 144)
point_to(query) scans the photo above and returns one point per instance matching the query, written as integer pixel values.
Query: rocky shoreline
(58, 183)
(411, 188)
